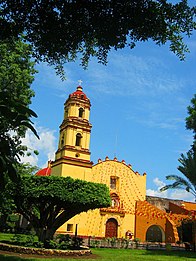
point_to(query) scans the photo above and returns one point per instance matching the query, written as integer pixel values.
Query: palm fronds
(179, 183)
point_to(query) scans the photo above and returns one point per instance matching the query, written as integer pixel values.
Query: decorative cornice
(74, 100)
(74, 148)
(122, 162)
(73, 161)
(104, 211)
(75, 125)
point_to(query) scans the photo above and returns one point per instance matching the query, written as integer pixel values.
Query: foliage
(19, 240)
(48, 202)
(188, 169)
(7, 205)
(191, 119)
(65, 242)
(61, 31)
(61, 241)
(16, 76)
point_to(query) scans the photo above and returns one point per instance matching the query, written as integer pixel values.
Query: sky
(139, 105)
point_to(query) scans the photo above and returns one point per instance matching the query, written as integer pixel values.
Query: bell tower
(73, 155)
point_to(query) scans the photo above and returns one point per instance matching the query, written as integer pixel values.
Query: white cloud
(171, 194)
(158, 183)
(46, 146)
(133, 75)
(181, 194)
(156, 193)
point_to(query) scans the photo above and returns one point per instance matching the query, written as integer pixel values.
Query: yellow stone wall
(130, 188)
(76, 172)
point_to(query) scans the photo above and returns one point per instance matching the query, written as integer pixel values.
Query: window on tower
(81, 112)
(78, 139)
(66, 113)
(62, 141)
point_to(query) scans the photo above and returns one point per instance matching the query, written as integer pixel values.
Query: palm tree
(188, 169)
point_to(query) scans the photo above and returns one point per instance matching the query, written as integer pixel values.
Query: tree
(188, 169)
(16, 76)
(191, 119)
(7, 205)
(59, 31)
(48, 202)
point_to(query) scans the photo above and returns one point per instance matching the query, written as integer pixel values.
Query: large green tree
(7, 205)
(16, 75)
(59, 31)
(48, 202)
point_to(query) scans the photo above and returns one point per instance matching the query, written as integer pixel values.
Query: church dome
(44, 172)
(79, 94)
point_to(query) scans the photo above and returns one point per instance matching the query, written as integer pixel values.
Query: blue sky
(139, 105)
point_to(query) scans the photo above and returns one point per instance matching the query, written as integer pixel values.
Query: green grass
(7, 237)
(119, 255)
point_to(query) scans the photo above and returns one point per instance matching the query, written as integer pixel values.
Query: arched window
(81, 112)
(66, 113)
(62, 141)
(154, 234)
(78, 139)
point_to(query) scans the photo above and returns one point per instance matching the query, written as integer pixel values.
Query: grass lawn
(9, 237)
(119, 255)
(4, 236)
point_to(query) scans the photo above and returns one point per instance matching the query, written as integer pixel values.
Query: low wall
(43, 251)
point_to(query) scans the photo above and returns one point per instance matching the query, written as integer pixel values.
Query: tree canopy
(7, 205)
(59, 31)
(16, 75)
(48, 202)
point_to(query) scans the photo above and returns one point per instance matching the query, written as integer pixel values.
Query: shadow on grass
(171, 253)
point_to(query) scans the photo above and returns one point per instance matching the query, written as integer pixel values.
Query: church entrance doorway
(111, 228)
(154, 234)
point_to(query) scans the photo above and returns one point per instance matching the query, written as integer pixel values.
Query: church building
(131, 214)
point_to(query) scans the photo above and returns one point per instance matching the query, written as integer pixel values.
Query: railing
(127, 243)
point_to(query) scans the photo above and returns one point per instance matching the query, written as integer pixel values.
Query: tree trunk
(45, 235)
(3, 220)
